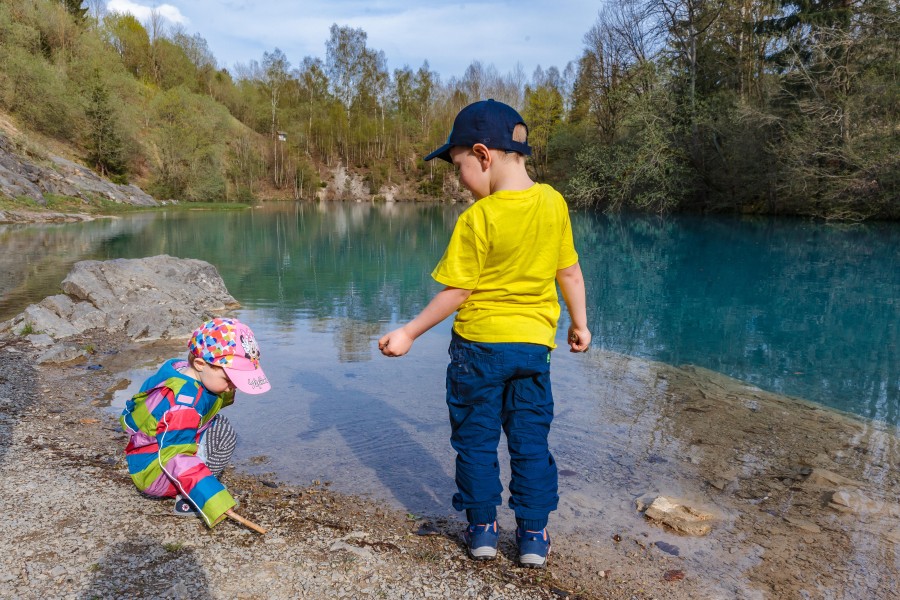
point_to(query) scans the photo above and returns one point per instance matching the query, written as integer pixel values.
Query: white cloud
(142, 13)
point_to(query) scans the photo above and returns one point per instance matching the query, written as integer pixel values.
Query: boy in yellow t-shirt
(507, 252)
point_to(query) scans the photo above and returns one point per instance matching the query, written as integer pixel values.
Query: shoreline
(29, 217)
(79, 529)
(77, 522)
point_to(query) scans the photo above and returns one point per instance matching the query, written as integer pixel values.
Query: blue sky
(449, 35)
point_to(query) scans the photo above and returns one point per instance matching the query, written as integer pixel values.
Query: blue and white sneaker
(481, 541)
(183, 508)
(534, 547)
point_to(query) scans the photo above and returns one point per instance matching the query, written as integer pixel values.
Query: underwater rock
(855, 502)
(825, 478)
(803, 524)
(680, 517)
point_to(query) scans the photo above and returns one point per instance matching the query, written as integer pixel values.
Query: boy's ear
(483, 154)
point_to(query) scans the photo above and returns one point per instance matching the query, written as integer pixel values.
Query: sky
(502, 33)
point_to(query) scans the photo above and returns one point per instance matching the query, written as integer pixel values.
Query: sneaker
(481, 541)
(534, 547)
(184, 508)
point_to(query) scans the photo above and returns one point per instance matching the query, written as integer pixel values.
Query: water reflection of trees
(36, 258)
(354, 260)
(792, 306)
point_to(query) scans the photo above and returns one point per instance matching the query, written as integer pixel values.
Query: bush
(35, 92)
(188, 146)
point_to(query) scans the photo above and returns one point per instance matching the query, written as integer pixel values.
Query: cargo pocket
(467, 375)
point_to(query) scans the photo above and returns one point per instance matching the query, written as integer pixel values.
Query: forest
(779, 107)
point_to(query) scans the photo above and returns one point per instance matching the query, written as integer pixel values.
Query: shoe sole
(480, 553)
(483, 553)
(535, 561)
(186, 513)
(190, 510)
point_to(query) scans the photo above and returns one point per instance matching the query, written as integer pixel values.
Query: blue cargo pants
(502, 385)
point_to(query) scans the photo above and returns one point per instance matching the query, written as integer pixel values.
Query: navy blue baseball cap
(485, 122)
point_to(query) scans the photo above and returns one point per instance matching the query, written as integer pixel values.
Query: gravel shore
(805, 501)
(75, 527)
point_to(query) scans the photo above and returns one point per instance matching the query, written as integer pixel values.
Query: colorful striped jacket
(165, 421)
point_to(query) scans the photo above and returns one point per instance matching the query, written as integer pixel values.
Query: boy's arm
(444, 304)
(571, 283)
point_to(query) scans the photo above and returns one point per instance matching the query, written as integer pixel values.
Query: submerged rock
(144, 299)
(854, 501)
(803, 524)
(680, 517)
(825, 478)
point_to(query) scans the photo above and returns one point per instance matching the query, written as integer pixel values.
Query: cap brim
(443, 153)
(249, 382)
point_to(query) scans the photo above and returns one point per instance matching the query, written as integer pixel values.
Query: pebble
(57, 571)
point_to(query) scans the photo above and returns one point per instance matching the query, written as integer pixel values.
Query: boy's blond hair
(520, 133)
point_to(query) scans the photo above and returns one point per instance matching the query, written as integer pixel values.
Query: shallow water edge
(791, 484)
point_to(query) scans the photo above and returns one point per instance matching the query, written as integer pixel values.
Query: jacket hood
(167, 371)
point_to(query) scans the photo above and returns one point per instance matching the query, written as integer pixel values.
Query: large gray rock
(144, 299)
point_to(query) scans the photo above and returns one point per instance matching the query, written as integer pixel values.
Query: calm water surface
(800, 308)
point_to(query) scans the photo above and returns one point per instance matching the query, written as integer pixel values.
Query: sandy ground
(803, 504)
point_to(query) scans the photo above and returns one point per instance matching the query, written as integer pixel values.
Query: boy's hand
(579, 339)
(395, 343)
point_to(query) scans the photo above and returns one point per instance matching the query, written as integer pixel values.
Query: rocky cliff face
(21, 177)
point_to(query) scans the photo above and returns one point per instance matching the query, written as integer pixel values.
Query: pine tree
(105, 150)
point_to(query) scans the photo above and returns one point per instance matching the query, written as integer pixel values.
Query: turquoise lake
(803, 309)
(796, 307)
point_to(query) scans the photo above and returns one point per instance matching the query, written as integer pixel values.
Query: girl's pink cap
(231, 345)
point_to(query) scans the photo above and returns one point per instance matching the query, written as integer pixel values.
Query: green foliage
(131, 41)
(187, 146)
(355, 71)
(642, 170)
(564, 145)
(757, 106)
(243, 168)
(173, 66)
(543, 113)
(724, 130)
(31, 88)
(431, 187)
(734, 144)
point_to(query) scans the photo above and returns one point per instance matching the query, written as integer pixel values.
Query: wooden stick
(247, 522)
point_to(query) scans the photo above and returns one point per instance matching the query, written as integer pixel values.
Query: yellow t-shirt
(507, 248)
